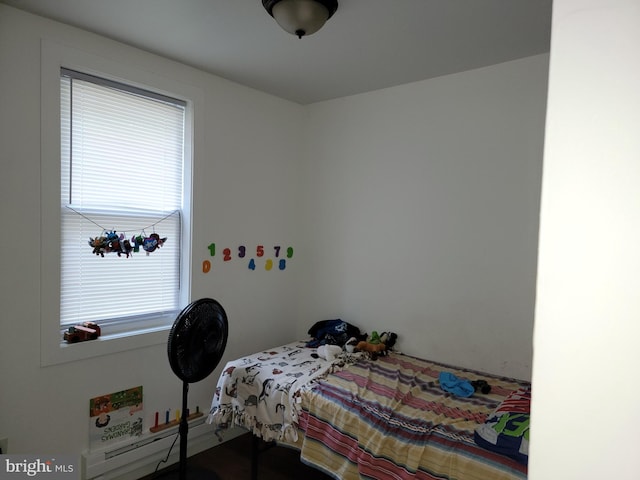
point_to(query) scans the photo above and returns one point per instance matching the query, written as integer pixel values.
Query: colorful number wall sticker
(260, 256)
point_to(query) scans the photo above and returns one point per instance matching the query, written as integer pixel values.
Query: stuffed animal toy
(481, 385)
(153, 241)
(329, 352)
(376, 348)
(376, 345)
(374, 338)
(389, 339)
(136, 242)
(99, 245)
(350, 346)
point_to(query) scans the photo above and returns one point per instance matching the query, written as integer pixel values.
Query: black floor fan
(196, 343)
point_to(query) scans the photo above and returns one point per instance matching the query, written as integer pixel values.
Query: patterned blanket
(390, 419)
(261, 392)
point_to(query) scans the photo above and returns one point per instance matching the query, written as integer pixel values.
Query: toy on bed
(329, 352)
(376, 345)
(482, 386)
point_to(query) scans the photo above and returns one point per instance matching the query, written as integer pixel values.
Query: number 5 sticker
(260, 250)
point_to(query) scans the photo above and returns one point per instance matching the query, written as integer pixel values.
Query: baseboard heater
(140, 457)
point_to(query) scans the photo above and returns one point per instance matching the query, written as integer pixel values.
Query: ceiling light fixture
(301, 17)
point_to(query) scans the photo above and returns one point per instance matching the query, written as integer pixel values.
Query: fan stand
(196, 343)
(185, 471)
(183, 430)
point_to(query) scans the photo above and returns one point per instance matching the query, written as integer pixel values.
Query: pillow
(506, 430)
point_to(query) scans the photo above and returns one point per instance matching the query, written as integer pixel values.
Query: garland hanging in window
(109, 241)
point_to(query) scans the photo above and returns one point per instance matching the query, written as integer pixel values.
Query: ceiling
(366, 45)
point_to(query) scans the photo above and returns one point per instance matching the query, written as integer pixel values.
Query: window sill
(110, 343)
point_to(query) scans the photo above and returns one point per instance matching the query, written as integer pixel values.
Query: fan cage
(197, 340)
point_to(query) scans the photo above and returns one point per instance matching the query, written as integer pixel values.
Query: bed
(388, 418)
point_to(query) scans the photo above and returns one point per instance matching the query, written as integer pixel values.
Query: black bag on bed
(332, 332)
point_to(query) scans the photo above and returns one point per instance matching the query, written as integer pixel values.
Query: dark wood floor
(232, 461)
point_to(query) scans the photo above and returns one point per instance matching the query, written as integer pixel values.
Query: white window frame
(154, 331)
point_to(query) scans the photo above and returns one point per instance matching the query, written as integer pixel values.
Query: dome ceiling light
(301, 17)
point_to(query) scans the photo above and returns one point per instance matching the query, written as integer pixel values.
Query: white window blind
(122, 170)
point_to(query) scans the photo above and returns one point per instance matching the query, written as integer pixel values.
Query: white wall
(245, 192)
(585, 417)
(422, 213)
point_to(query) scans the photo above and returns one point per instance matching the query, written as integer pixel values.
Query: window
(122, 171)
(115, 192)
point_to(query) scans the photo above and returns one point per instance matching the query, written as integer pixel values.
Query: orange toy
(375, 348)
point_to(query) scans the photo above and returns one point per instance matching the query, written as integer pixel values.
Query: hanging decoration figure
(152, 242)
(111, 242)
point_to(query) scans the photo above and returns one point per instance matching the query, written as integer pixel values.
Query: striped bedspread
(389, 419)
